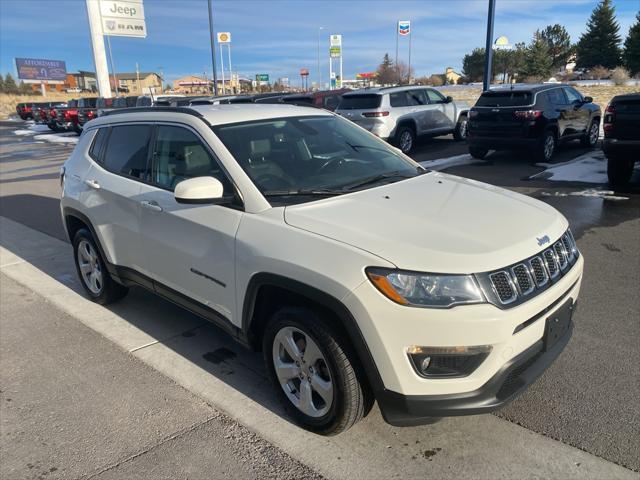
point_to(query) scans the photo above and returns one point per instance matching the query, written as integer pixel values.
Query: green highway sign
(262, 77)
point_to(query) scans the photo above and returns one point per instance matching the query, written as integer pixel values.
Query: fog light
(439, 362)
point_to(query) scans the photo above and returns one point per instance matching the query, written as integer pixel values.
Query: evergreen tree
(559, 43)
(386, 72)
(10, 84)
(631, 53)
(1, 84)
(537, 61)
(473, 65)
(599, 45)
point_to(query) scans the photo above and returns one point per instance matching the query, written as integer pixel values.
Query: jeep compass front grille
(517, 283)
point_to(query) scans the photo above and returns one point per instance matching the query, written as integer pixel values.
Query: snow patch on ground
(590, 192)
(589, 168)
(60, 138)
(32, 129)
(442, 163)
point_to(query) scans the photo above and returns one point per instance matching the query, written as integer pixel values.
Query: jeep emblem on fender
(543, 240)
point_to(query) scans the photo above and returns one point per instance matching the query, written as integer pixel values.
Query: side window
(417, 97)
(435, 96)
(97, 146)
(127, 151)
(399, 99)
(178, 155)
(331, 102)
(557, 97)
(572, 95)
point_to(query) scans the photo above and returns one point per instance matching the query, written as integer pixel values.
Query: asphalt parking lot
(581, 419)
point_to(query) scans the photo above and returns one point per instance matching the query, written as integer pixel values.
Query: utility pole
(488, 51)
(213, 51)
(97, 43)
(396, 64)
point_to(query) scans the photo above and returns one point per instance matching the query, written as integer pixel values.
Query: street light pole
(319, 74)
(213, 50)
(488, 51)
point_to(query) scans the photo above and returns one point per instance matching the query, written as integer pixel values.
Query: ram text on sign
(41, 69)
(121, 9)
(119, 27)
(224, 37)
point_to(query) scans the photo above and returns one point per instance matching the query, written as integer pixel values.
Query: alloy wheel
(406, 141)
(549, 147)
(463, 130)
(302, 371)
(594, 132)
(89, 265)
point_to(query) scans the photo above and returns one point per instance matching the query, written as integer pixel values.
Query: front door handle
(92, 183)
(151, 205)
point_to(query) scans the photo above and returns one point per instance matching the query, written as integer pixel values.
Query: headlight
(425, 289)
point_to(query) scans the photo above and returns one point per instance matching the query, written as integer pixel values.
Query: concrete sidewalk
(207, 362)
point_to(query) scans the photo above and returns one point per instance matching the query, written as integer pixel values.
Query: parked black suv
(532, 117)
(621, 142)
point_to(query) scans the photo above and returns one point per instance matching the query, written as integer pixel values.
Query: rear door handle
(151, 205)
(92, 184)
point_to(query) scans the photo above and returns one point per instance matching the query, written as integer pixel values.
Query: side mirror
(449, 99)
(199, 190)
(588, 100)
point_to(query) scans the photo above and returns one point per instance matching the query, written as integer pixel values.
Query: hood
(435, 223)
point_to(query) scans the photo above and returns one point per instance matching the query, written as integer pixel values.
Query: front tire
(405, 139)
(312, 372)
(590, 137)
(619, 171)
(462, 129)
(92, 270)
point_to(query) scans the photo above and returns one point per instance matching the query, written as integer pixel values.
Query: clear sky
(279, 37)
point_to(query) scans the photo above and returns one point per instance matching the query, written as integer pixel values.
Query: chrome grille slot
(551, 263)
(504, 287)
(513, 284)
(561, 255)
(540, 273)
(523, 278)
(566, 241)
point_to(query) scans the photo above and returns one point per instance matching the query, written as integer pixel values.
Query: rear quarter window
(628, 106)
(505, 99)
(360, 102)
(98, 144)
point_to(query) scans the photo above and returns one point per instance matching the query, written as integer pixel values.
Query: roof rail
(186, 110)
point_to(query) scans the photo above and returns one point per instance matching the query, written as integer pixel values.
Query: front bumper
(510, 381)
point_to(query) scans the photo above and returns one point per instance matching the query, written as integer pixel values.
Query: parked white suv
(401, 114)
(358, 273)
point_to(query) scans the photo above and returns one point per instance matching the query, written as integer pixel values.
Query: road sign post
(488, 51)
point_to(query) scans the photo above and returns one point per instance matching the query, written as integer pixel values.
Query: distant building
(141, 83)
(192, 84)
(451, 76)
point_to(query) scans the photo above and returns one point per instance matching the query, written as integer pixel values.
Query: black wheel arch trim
(341, 312)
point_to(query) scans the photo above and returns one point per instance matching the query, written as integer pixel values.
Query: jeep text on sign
(121, 9)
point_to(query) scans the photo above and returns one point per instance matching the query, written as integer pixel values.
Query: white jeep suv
(359, 274)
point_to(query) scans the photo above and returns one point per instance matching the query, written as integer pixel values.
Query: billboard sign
(40, 69)
(502, 43)
(334, 52)
(335, 40)
(262, 77)
(224, 37)
(361, 76)
(123, 18)
(404, 27)
(304, 72)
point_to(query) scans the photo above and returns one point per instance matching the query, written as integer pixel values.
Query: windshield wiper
(358, 147)
(375, 179)
(302, 191)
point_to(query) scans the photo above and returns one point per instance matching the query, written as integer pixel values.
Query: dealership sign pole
(97, 43)
(224, 38)
(335, 51)
(404, 29)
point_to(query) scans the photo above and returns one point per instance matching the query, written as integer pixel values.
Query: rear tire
(462, 129)
(590, 137)
(313, 363)
(478, 152)
(92, 270)
(546, 148)
(619, 171)
(405, 138)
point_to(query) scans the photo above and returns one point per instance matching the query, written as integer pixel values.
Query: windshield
(505, 99)
(313, 155)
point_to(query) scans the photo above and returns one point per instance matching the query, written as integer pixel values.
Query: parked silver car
(400, 114)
